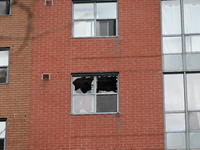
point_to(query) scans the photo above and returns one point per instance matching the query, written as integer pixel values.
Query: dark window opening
(83, 83)
(107, 83)
(1, 144)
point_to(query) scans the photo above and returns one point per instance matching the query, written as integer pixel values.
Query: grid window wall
(2, 133)
(95, 93)
(181, 71)
(97, 19)
(4, 64)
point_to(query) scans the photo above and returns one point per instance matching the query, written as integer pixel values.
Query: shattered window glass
(83, 84)
(95, 93)
(106, 84)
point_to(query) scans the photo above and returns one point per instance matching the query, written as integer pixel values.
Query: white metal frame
(95, 100)
(184, 72)
(95, 20)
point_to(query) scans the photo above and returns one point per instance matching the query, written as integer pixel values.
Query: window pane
(83, 104)
(106, 10)
(83, 28)
(193, 89)
(172, 45)
(106, 27)
(173, 92)
(172, 62)
(4, 7)
(175, 140)
(1, 144)
(192, 43)
(175, 122)
(194, 140)
(171, 23)
(106, 103)
(106, 84)
(191, 16)
(83, 11)
(83, 85)
(193, 61)
(3, 75)
(3, 58)
(194, 120)
(2, 129)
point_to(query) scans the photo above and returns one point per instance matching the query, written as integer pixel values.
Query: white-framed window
(2, 133)
(181, 73)
(94, 18)
(5, 7)
(4, 64)
(95, 93)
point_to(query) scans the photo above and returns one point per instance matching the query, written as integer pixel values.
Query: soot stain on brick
(27, 36)
(29, 28)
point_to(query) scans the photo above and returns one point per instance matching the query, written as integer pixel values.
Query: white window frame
(5, 49)
(173, 131)
(95, 19)
(95, 94)
(8, 7)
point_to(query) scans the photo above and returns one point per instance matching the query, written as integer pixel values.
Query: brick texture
(135, 54)
(15, 96)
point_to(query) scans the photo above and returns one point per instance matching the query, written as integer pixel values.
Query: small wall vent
(45, 76)
(48, 2)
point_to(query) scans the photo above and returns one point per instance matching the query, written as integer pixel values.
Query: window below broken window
(2, 133)
(94, 93)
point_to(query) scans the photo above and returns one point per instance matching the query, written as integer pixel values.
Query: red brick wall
(135, 54)
(15, 96)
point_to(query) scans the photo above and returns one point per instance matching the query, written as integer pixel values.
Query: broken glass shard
(83, 84)
(107, 84)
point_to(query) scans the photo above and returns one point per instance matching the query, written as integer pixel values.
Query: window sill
(94, 37)
(3, 83)
(106, 113)
(5, 14)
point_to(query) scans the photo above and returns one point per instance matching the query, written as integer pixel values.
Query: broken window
(94, 19)
(94, 93)
(4, 55)
(2, 133)
(4, 7)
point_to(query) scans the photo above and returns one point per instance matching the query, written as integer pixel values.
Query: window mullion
(184, 75)
(95, 19)
(186, 110)
(95, 94)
